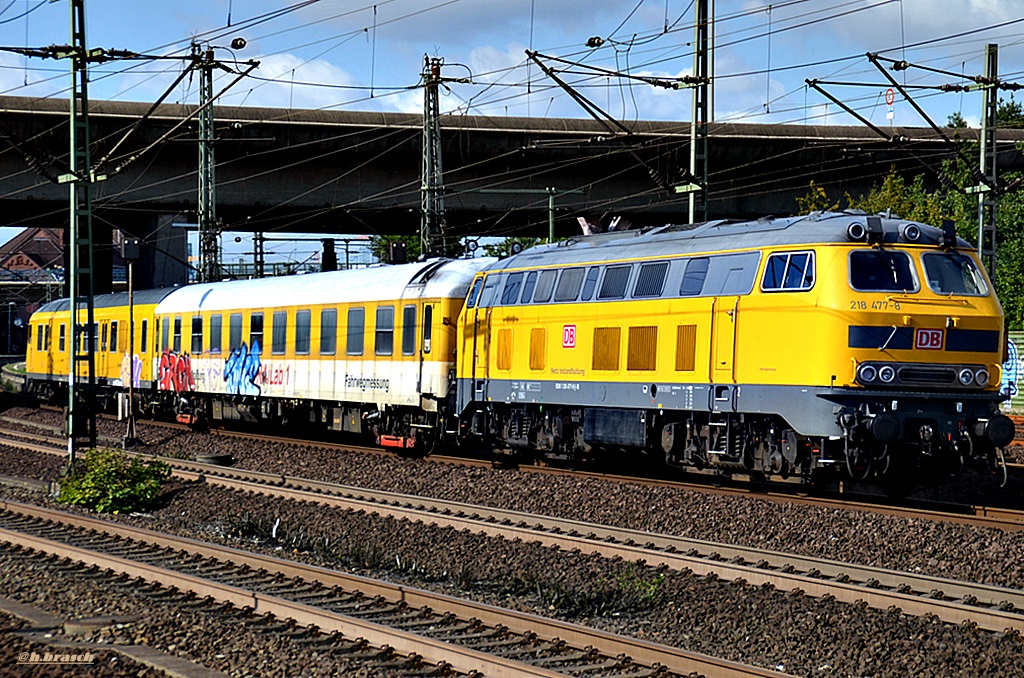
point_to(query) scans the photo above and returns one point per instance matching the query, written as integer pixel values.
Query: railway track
(975, 515)
(439, 629)
(988, 607)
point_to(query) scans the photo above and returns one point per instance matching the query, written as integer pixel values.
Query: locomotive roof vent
(856, 231)
(911, 232)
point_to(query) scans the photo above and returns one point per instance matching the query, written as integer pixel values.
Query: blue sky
(329, 54)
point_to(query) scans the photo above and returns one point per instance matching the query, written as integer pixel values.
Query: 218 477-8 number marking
(861, 305)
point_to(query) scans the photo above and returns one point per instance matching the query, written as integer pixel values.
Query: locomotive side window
(216, 332)
(510, 293)
(651, 280)
(234, 331)
(279, 333)
(197, 335)
(328, 331)
(953, 273)
(409, 330)
(256, 333)
(302, 323)
(881, 270)
(545, 286)
(356, 318)
(531, 282)
(384, 340)
(788, 271)
(590, 283)
(474, 292)
(569, 284)
(614, 284)
(693, 277)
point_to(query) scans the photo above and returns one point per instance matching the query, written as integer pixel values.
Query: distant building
(31, 273)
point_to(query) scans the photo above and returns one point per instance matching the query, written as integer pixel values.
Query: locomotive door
(724, 314)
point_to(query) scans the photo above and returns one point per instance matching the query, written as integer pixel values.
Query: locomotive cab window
(953, 273)
(471, 298)
(881, 270)
(788, 271)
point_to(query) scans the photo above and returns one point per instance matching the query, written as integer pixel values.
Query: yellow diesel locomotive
(796, 346)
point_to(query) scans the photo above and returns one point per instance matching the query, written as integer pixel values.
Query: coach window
(384, 337)
(409, 330)
(788, 271)
(545, 286)
(474, 292)
(651, 280)
(693, 277)
(880, 270)
(279, 333)
(569, 284)
(328, 331)
(113, 336)
(590, 283)
(428, 319)
(614, 284)
(46, 342)
(145, 336)
(177, 334)
(356, 321)
(39, 337)
(234, 332)
(197, 335)
(528, 286)
(510, 293)
(61, 338)
(256, 333)
(103, 337)
(216, 332)
(302, 320)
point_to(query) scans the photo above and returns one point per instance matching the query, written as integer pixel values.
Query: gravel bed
(105, 664)
(775, 629)
(928, 547)
(217, 640)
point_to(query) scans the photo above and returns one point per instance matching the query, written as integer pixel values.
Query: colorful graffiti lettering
(136, 375)
(175, 372)
(1011, 371)
(241, 370)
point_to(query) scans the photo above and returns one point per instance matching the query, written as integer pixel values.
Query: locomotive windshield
(953, 273)
(881, 270)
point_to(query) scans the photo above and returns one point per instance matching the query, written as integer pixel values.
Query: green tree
(505, 247)
(816, 200)
(1010, 114)
(956, 120)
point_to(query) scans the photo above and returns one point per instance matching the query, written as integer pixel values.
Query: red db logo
(928, 340)
(568, 336)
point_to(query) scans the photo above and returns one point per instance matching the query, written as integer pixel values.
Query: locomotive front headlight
(981, 377)
(966, 377)
(867, 374)
(886, 373)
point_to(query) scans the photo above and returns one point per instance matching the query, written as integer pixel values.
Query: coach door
(482, 337)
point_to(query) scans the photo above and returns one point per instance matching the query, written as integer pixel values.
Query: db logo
(568, 336)
(928, 340)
